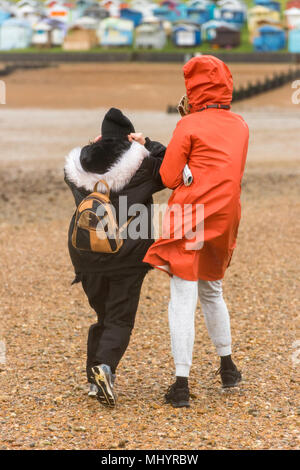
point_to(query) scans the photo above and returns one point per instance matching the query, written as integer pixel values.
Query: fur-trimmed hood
(117, 176)
(131, 170)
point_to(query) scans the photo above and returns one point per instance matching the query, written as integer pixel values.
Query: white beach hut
(29, 10)
(116, 32)
(48, 33)
(60, 13)
(41, 36)
(86, 22)
(15, 33)
(293, 17)
(150, 34)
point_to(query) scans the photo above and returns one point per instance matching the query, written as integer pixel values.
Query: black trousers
(115, 299)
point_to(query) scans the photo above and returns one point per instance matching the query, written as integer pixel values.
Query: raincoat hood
(208, 81)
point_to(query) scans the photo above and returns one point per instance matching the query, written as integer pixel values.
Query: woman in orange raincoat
(213, 141)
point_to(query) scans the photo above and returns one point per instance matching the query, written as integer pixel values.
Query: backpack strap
(105, 184)
(125, 225)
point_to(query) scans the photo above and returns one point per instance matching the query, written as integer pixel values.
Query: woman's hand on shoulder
(137, 137)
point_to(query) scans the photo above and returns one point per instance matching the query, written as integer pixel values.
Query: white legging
(182, 306)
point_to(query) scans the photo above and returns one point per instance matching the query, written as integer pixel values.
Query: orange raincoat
(214, 142)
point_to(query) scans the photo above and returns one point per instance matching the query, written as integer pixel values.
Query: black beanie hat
(116, 125)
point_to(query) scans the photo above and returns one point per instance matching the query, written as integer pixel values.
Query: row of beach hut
(15, 34)
(88, 23)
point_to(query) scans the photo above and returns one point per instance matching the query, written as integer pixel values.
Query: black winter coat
(130, 170)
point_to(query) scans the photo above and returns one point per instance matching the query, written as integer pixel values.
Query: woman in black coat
(112, 282)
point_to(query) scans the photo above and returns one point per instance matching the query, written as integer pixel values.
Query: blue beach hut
(132, 15)
(234, 15)
(270, 38)
(294, 41)
(167, 14)
(198, 15)
(4, 15)
(186, 35)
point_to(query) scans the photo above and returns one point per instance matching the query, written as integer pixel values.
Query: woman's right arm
(154, 161)
(176, 155)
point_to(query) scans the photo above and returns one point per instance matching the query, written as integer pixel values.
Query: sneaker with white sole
(230, 377)
(178, 396)
(103, 378)
(93, 391)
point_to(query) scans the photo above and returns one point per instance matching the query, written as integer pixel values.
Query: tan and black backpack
(94, 232)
